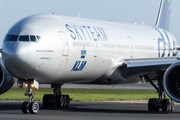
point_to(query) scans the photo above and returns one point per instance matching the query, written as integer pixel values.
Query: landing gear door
(65, 44)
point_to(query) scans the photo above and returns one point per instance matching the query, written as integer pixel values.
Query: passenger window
(38, 38)
(13, 38)
(24, 38)
(33, 39)
(7, 38)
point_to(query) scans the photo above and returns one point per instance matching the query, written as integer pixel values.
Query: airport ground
(119, 110)
(115, 110)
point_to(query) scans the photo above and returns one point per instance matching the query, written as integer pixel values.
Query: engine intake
(171, 81)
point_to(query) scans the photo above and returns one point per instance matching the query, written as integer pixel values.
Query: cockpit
(22, 38)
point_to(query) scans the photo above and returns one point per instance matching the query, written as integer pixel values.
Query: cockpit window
(38, 38)
(33, 38)
(13, 38)
(24, 38)
(7, 38)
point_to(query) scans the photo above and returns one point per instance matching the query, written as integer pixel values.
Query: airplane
(54, 49)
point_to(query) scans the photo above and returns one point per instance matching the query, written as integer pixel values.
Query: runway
(126, 110)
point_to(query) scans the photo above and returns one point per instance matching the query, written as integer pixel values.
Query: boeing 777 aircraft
(54, 49)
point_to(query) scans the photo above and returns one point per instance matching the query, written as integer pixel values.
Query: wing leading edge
(151, 62)
(132, 68)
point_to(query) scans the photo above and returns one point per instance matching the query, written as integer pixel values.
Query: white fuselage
(81, 50)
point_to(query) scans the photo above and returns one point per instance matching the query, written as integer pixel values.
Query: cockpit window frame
(8, 37)
(36, 40)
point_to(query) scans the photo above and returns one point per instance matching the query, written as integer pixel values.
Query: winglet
(163, 19)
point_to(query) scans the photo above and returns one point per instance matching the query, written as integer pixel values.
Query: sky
(129, 11)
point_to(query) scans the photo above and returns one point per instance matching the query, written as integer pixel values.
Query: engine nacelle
(171, 81)
(6, 79)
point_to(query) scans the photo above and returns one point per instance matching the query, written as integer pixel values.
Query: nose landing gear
(30, 106)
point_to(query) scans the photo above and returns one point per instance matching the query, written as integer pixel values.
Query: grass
(84, 94)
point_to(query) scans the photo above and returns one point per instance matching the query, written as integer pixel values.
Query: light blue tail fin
(163, 19)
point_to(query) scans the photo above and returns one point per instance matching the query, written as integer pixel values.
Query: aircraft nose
(14, 57)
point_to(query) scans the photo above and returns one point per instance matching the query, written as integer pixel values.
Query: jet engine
(171, 81)
(6, 79)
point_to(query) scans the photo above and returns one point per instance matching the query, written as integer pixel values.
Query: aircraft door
(65, 44)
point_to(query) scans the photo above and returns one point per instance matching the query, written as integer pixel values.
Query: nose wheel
(24, 108)
(33, 107)
(30, 107)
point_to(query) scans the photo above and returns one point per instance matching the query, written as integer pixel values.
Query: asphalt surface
(127, 110)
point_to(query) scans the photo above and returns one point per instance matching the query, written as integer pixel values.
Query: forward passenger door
(65, 44)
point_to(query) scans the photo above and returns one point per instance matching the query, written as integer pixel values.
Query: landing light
(32, 85)
(35, 84)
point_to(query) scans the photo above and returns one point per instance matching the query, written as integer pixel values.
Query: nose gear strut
(30, 106)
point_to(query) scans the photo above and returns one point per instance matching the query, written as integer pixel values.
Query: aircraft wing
(150, 62)
(138, 67)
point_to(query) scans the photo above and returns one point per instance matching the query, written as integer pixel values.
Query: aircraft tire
(67, 101)
(46, 100)
(33, 107)
(167, 106)
(51, 102)
(60, 101)
(172, 106)
(24, 108)
(152, 105)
